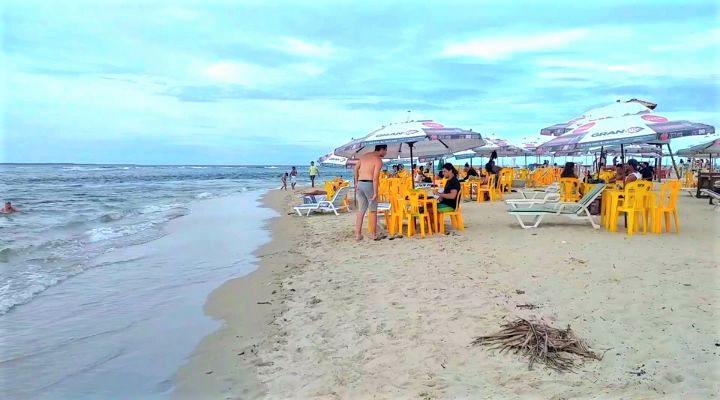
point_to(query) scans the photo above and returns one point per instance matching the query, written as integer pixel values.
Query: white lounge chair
(335, 204)
(577, 210)
(713, 196)
(549, 197)
(532, 194)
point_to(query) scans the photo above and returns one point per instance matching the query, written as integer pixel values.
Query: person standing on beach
(367, 178)
(283, 179)
(313, 171)
(293, 178)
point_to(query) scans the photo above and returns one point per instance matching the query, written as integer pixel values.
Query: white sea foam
(204, 195)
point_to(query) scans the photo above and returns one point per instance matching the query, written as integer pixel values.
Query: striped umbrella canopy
(331, 159)
(629, 129)
(709, 147)
(414, 139)
(613, 110)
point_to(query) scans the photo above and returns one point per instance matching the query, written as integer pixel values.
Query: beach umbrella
(632, 129)
(613, 110)
(414, 139)
(708, 148)
(331, 159)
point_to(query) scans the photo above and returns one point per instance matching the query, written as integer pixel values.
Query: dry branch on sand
(539, 342)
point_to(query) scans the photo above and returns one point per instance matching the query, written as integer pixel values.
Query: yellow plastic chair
(633, 205)
(417, 211)
(488, 187)
(666, 205)
(569, 189)
(329, 189)
(455, 217)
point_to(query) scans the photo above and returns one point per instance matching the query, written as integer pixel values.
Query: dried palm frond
(539, 342)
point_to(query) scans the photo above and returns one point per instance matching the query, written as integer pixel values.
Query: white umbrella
(414, 139)
(640, 128)
(331, 159)
(612, 110)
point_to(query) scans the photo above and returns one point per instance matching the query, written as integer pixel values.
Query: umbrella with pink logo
(414, 139)
(612, 110)
(629, 129)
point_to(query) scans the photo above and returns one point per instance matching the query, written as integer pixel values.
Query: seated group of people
(631, 171)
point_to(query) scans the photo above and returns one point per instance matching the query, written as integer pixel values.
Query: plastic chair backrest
(339, 196)
(329, 190)
(457, 201)
(669, 191)
(635, 193)
(491, 181)
(569, 189)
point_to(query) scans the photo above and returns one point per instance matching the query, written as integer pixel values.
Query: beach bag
(595, 207)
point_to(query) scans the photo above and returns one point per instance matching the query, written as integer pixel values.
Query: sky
(284, 82)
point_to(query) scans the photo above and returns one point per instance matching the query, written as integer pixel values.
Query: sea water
(104, 272)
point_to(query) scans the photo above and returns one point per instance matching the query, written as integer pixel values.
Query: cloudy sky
(248, 82)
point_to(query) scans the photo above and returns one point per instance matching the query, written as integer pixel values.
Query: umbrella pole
(659, 163)
(622, 153)
(672, 158)
(412, 181)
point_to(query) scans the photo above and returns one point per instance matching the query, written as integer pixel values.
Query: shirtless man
(367, 178)
(8, 208)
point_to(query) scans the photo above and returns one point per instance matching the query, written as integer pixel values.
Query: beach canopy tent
(412, 139)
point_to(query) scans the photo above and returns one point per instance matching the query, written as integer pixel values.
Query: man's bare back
(369, 166)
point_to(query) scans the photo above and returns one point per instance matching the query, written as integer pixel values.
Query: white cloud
(255, 76)
(301, 48)
(597, 70)
(500, 47)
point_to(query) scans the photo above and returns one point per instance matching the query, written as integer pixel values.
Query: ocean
(104, 272)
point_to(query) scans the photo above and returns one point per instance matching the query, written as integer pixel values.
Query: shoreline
(224, 363)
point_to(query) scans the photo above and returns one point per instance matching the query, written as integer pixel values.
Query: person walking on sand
(283, 179)
(367, 178)
(314, 172)
(293, 178)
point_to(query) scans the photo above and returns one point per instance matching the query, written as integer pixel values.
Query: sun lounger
(713, 196)
(534, 193)
(579, 210)
(335, 204)
(549, 197)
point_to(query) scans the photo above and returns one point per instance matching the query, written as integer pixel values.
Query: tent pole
(672, 158)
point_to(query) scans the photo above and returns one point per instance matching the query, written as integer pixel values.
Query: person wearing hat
(633, 173)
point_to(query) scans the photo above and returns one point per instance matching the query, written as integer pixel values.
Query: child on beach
(283, 179)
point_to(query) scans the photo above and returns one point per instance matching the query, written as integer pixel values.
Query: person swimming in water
(8, 209)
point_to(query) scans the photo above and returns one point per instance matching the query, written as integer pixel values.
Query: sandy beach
(325, 317)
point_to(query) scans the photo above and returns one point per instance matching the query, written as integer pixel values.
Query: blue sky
(247, 82)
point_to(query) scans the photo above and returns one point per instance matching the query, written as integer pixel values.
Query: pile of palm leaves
(556, 348)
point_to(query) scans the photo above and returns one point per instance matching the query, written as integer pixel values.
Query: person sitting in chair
(449, 196)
